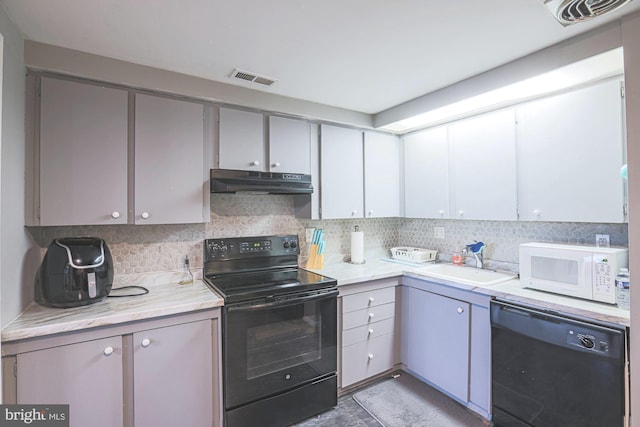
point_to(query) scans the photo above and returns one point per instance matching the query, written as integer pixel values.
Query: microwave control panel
(603, 278)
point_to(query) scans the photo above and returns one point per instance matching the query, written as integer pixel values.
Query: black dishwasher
(550, 370)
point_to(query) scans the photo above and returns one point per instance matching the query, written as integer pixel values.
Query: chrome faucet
(476, 249)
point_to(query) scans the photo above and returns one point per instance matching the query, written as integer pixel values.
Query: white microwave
(585, 272)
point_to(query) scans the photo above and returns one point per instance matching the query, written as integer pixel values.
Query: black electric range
(279, 331)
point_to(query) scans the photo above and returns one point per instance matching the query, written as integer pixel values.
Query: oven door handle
(292, 301)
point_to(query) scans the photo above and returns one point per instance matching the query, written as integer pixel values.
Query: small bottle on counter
(187, 276)
(622, 289)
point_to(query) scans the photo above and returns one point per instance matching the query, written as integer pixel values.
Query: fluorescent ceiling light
(597, 67)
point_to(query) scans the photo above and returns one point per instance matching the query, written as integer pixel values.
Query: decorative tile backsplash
(156, 248)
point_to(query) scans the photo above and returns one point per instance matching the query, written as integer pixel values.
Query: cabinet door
(341, 173)
(570, 150)
(289, 145)
(381, 175)
(173, 375)
(426, 170)
(484, 167)
(87, 376)
(439, 341)
(83, 154)
(170, 171)
(241, 143)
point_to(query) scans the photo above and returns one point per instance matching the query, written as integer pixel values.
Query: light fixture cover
(569, 12)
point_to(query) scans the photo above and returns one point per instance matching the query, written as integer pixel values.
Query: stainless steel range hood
(255, 182)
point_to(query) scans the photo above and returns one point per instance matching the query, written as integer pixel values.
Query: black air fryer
(75, 271)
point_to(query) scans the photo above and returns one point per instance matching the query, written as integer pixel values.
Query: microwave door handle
(293, 301)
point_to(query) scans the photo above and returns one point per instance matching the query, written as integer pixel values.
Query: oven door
(276, 346)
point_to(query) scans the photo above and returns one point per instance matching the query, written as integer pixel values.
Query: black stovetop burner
(258, 268)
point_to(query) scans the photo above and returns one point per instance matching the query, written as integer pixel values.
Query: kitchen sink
(468, 275)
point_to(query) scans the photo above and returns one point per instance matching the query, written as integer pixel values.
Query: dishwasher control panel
(588, 340)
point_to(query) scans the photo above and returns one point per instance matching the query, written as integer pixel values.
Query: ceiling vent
(253, 77)
(569, 12)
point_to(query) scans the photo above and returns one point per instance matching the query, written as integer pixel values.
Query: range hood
(255, 182)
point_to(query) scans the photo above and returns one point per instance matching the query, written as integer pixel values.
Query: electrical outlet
(438, 232)
(309, 232)
(602, 240)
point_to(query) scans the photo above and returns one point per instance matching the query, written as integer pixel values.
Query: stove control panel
(250, 247)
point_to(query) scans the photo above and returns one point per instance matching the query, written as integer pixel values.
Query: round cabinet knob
(254, 163)
(460, 213)
(370, 213)
(354, 212)
(370, 315)
(460, 310)
(441, 212)
(145, 342)
(370, 356)
(145, 215)
(115, 214)
(536, 212)
(108, 351)
(370, 331)
(275, 165)
(371, 299)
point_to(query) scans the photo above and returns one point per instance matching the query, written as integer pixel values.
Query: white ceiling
(362, 55)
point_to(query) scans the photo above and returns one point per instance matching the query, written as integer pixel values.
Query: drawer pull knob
(254, 163)
(370, 315)
(370, 331)
(145, 215)
(371, 299)
(460, 310)
(108, 351)
(370, 356)
(145, 342)
(115, 214)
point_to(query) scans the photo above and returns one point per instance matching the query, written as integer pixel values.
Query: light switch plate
(602, 240)
(438, 232)
(309, 232)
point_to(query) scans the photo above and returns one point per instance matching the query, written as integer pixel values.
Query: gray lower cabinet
(368, 338)
(446, 340)
(181, 357)
(162, 372)
(86, 375)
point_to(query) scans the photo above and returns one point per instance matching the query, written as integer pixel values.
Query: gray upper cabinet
(241, 140)
(243, 144)
(82, 154)
(289, 145)
(570, 150)
(483, 179)
(170, 185)
(381, 175)
(426, 174)
(83, 171)
(341, 173)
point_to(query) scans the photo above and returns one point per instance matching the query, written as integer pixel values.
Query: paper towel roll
(357, 247)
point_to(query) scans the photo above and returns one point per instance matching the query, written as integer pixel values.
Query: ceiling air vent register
(253, 77)
(569, 12)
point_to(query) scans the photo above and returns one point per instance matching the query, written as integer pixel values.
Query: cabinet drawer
(363, 300)
(365, 359)
(367, 332)
(367, 316)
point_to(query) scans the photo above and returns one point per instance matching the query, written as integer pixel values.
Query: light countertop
(346, 274)
(165, 297)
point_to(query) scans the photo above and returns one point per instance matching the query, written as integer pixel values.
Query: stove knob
(293, 245)
(286, 245)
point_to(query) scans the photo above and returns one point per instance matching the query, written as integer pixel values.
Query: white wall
(16, 271)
